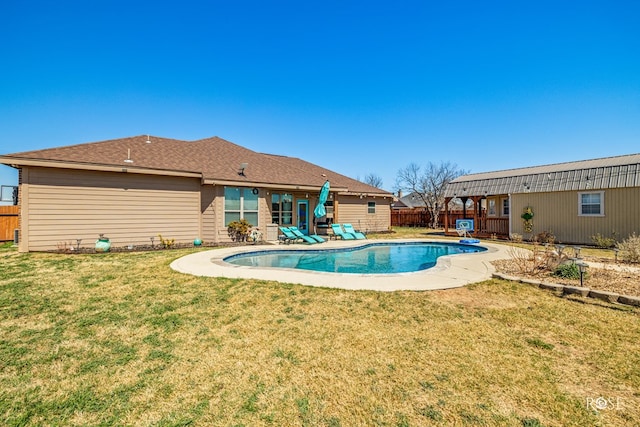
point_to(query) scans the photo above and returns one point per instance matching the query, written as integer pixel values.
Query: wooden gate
(8, 222)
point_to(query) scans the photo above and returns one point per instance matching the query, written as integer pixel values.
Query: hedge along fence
(9, 221)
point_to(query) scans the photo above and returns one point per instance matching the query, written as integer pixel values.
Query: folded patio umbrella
(320, 210)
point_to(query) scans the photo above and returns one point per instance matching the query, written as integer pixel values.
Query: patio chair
(339, 232)
(295, 234)
(315, 237)
(349, 229)
(287, 236)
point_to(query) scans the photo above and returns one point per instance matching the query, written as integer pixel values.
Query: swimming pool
(373, 258)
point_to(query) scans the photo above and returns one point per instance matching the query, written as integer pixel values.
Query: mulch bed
(623, 279)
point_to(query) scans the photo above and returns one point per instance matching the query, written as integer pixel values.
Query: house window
(491, 211)
(371, 207)
(9, 193)
(240, 203)
(282, 209)
(591, 204)
(505, 207)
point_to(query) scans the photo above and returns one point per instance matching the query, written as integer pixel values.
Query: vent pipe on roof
(128, 159)
(148, 140)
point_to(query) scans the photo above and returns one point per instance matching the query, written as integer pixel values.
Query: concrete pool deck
(451, 271)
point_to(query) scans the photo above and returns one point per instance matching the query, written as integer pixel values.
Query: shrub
(533, 263)
(545, 237)
(604, 242)
(515, 237)
(567, 271)
(630, 248)
(239, 230)
(167, 243)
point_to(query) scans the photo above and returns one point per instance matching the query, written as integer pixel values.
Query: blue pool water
(373, 258)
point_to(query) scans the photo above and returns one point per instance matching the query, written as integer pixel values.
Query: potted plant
(103, 244)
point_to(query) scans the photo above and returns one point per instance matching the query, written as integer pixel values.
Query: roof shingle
(214, 158)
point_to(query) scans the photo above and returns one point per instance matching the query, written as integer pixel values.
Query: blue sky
(357, 87)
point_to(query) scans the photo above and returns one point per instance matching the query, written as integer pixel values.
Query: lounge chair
(349, 229)
(287, 236)
(315, 237)
(294, 234)
(339, 232)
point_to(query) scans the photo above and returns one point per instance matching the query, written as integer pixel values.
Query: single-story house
(134, 189)
(573, 201)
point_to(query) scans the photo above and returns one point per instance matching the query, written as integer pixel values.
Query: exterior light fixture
(577, 251)
(582, 267)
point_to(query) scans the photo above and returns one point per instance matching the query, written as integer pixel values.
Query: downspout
(510, 214)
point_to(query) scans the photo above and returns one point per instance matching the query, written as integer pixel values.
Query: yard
(121, 339)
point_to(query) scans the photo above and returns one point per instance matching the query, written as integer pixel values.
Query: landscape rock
(624, 299)
(576, 290)
(604, 295)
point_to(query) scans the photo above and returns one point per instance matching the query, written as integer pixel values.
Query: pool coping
(450, 271)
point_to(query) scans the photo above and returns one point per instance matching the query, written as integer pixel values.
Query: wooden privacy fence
(8, 222)
(401, 218)
(422, 218)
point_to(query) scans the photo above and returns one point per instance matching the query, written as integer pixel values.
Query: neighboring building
(409, 211)
(573, 201)
(410, 201)
(132, 189)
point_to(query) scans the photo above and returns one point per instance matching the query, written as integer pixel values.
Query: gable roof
(594, 174)
(412, 200)
(214, 160)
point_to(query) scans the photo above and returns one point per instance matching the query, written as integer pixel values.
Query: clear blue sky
(355, 86)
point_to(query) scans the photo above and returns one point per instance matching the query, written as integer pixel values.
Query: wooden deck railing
(499, 226)
(486, 225)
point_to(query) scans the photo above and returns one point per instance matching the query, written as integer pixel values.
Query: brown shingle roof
(215, 158)
(336, 180)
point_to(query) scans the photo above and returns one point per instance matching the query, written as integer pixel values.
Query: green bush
(630, 248)
(567, 271)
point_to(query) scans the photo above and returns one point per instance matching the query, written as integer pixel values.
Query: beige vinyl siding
(354, 210)
(558, 212)
(208, 196)
(65, 205)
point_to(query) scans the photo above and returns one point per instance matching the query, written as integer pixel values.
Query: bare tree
(429, 185)
(373, 180)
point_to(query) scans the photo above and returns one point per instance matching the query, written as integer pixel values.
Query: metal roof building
(572, 201)
(604, 173)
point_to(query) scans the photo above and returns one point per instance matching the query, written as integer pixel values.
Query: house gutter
(17, 162)
(270, 185)
(125, 168)
(510, 213)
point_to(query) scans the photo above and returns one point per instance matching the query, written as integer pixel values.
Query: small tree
(373, 180)
(429, 184)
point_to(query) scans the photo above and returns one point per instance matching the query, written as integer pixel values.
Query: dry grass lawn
(121, 339)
